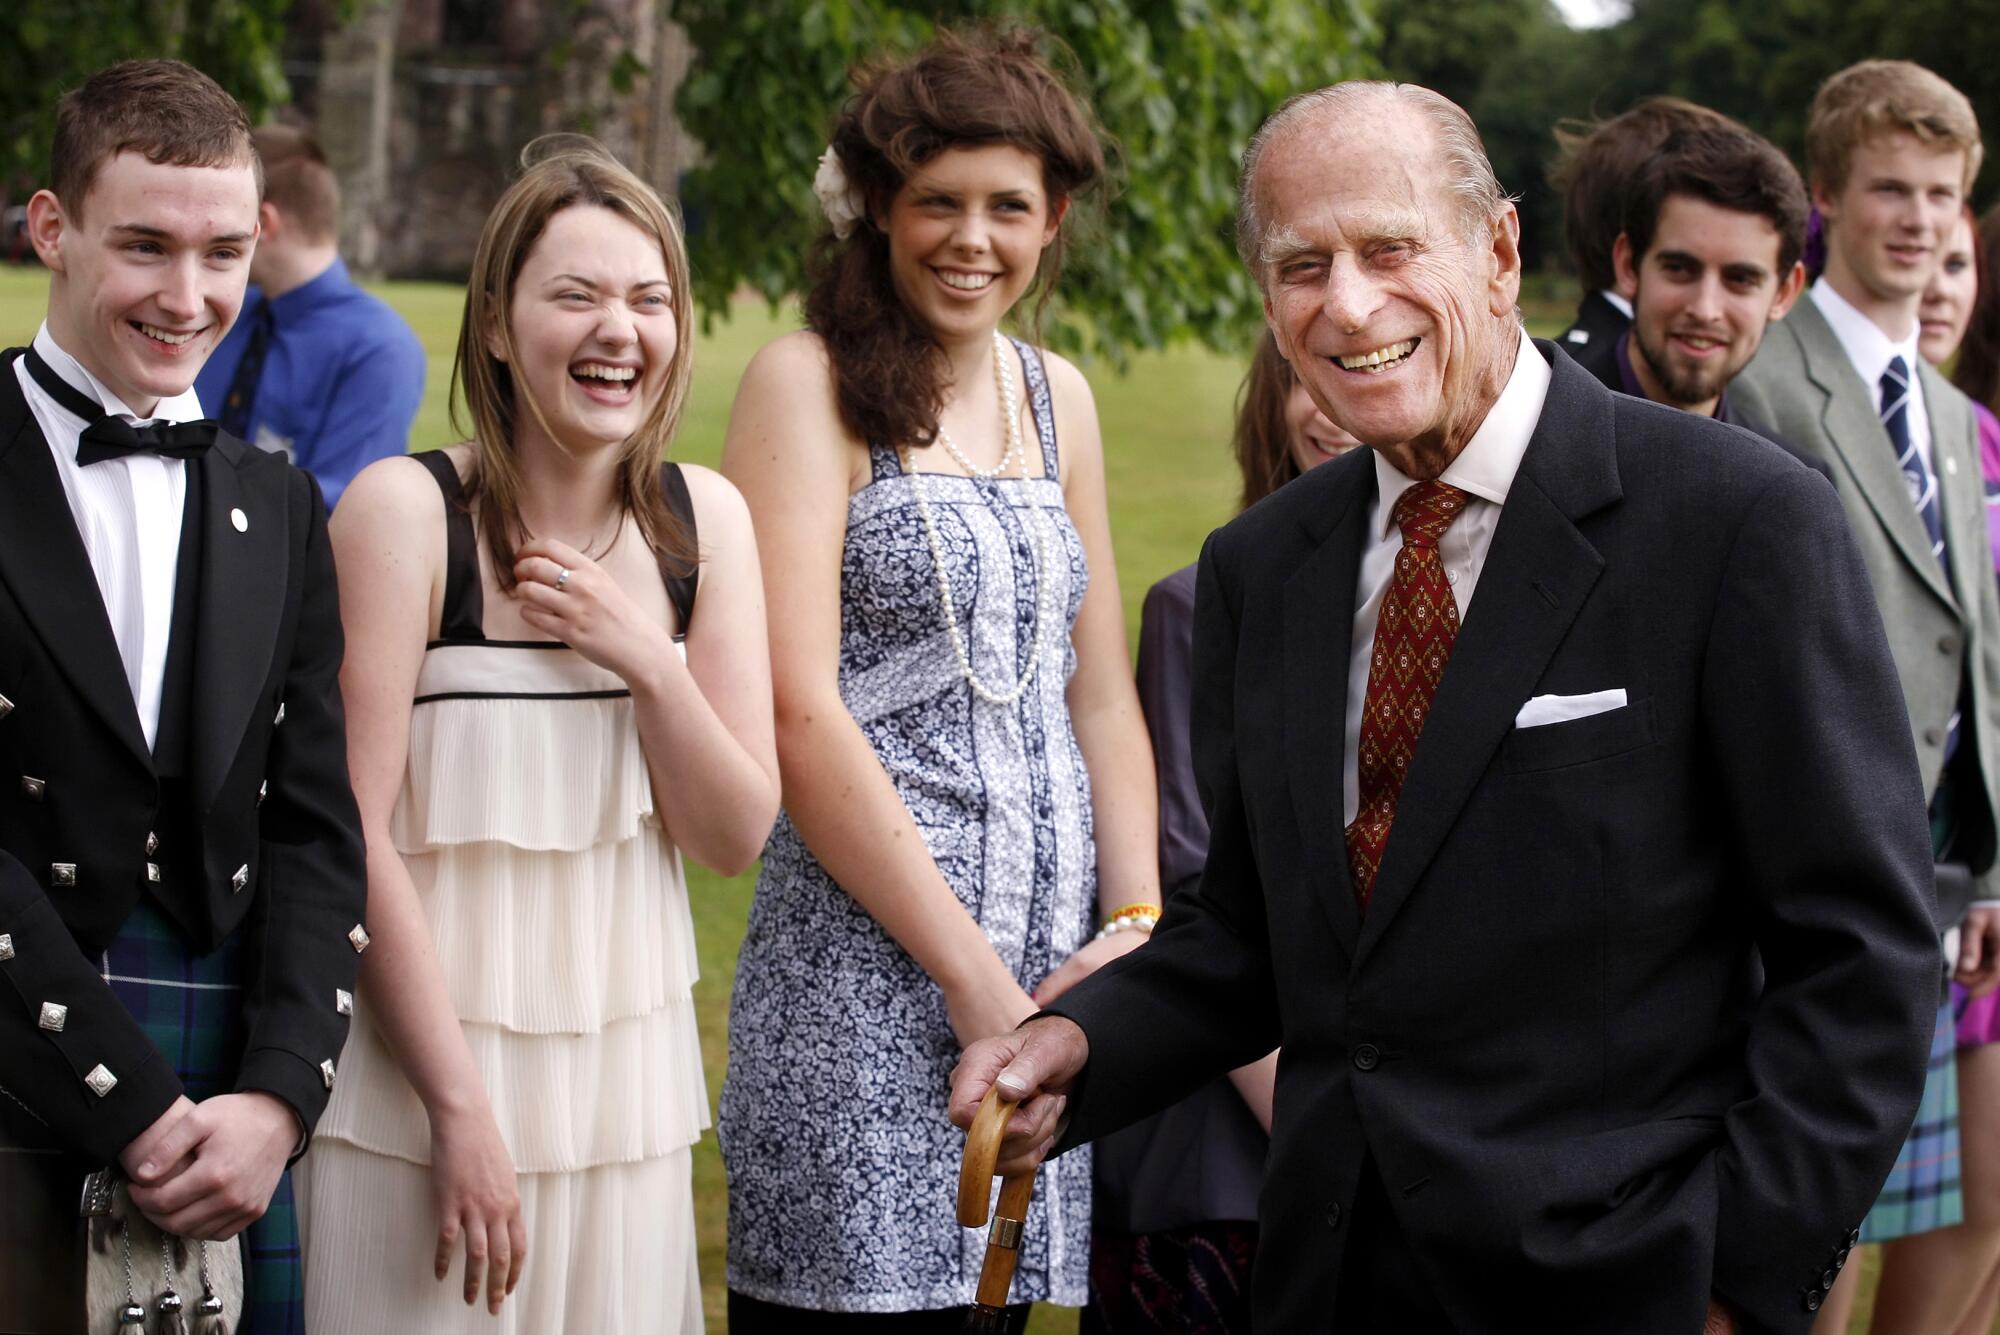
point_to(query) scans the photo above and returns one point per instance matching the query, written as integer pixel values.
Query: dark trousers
(751, 1316)
(1383, 1284)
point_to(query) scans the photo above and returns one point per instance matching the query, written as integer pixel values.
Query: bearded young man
(1607, 1008)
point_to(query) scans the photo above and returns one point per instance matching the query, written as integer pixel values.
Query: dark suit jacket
(1597, 326)
(1641, 1006)
(278, 842)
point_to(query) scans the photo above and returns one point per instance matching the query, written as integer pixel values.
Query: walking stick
(988, 1315)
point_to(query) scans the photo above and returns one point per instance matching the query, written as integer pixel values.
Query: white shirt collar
(1486, 466)
(1867, 347)
(1624, 307)
(182, 407)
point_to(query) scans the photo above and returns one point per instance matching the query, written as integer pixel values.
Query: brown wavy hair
(969, 88)
(1263, 440)
(561, 172)
(1977, 370)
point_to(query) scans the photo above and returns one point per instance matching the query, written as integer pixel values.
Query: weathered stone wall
(424, 105)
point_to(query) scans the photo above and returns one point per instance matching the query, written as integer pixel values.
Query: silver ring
(562, 578)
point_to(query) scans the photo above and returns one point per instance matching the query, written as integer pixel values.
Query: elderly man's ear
(1504, 288)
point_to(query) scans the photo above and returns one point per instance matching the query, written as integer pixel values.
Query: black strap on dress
(464, 603)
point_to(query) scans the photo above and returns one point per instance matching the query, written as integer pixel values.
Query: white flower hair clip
(839, 200)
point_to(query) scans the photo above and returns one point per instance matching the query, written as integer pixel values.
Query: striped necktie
(1922, 483)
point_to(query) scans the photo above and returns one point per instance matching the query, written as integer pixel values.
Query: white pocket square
(1542, 710)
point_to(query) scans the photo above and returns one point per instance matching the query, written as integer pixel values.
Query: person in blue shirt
(315, 368)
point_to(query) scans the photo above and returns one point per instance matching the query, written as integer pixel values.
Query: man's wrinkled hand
(212, 1174)
(1035, 1067)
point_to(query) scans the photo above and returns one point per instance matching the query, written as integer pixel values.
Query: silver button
(62, 873)
(262, 789)
(152, 873)
(100, 1080)
(239, 879)
(239, 521)
(54, 1017)
(326, 1073)
(358, 938)
(6, 706)
(281, 714)
(343, 1001)
(32, 788)
(6, 946)
(152, 843)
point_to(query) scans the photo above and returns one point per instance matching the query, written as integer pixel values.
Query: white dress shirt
(1484, 470)
(128, 512)
(1869, 350)
(1618, 301)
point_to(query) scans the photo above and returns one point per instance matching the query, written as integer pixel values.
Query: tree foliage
(1179, 84)
(53, 45)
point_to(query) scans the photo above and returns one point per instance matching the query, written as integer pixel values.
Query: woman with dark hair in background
(1961, 314)
(968, 821)
(1176, 1223)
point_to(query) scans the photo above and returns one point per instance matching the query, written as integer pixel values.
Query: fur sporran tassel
(173, 1321)
(211, 1321)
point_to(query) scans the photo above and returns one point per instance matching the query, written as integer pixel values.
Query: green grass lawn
(1170, 478)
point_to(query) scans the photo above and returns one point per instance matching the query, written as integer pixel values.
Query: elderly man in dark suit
(181, 882)
(1566, 829)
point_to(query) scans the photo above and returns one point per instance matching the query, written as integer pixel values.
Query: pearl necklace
(1004, 374)
(1037, 541)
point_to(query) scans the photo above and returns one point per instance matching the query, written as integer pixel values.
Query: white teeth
(1395, 352)
(616, 373)
(166, 335)
(965, 282)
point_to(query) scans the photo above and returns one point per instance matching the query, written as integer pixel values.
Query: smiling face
(147, 270)
(1395, 313)
(1309, 437)
(966, 233)
(1947, 303)
(1704, 293)
(593, 328)
(1886, 226)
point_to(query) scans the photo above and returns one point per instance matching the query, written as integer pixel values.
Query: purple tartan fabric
(191, 1007)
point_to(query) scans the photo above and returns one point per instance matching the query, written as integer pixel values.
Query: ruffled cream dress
(559, 914)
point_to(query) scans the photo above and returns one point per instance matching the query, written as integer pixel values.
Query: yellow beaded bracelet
(1138, 910)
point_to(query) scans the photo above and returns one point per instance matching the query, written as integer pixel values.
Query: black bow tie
(111, 437)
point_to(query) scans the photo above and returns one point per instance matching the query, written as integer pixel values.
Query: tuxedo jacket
(268, 841)
(1640, 1008)
(1942, 631)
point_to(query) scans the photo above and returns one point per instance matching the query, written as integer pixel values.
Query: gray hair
(1468, 174)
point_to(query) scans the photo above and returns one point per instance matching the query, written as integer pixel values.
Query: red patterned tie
(1413, 638)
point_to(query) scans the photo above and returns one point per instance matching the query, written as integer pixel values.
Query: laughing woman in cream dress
(553, 691)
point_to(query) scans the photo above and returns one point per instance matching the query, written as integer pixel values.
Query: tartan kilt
(191, 1007)
(1923, 1192)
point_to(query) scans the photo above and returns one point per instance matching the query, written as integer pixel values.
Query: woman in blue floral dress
(968, 785)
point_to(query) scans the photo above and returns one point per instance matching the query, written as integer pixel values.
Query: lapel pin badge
(239, 521)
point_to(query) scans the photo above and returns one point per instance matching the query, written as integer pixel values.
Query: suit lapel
(1319, 620)
(1955, 461)
(45, 566)
(243, 574)
(1537, 574)
(1851, 421)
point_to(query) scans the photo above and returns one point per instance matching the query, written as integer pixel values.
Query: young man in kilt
(181, 883)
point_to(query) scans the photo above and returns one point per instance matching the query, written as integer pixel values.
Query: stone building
(423, 107)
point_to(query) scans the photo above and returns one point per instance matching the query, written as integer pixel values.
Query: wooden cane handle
(982, 1152)
(975, 1188)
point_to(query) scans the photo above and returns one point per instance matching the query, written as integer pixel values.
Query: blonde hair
(1880, 97)
(562, 172)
